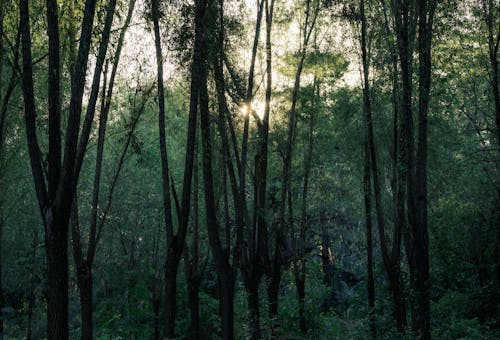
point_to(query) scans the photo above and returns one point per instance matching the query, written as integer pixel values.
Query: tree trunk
(2, 302)
(156, 318)
(31, 299)
(419, 222)
(399, 310)
(369, 241)
(301, 293)
(171, 267)
(56, 240)
(194, 308)
(275, 275)
(227, 305)
(252, 288)
(273, 292)
(84, 277)
(326, 261)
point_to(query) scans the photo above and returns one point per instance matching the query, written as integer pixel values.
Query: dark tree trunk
(369, 240)
(326, 260)
(490, 11)
(84, 277)
(252, 288)
(84, 263)
(227, 305)
(273, 292)
(171, 267)
(300, 249)
(391, 257)
(399, 310)
(156, 318)
(31, 299)
(419, 226)
(2, 302)
(176, 242)
(56, 239)
(191, 259)
(301, 293)
(221, 258)
(194, 308)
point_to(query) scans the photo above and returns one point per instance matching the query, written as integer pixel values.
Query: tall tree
(391, 255)
(192, 260)
(247, 251)
(409, 18)
(367, 169)
(490, 14)
(56, 195)
(84, 260)
(312, 8)
(300, 242)
(176, 241)
(419, 255)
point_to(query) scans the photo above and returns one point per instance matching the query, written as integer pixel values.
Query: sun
(255, 109)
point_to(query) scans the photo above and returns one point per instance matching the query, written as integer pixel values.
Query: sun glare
(254, 109)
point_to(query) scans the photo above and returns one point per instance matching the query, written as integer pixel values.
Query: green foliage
(327, 65)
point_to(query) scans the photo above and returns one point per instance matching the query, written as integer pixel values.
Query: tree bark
(156, 319)
(2, 302)
(252, 288)
(369, 242)
(31, 300)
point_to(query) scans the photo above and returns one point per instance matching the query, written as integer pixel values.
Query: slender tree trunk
(56, 239)
(156, 318)
(191, 259)
(194, 308)
(171, 262)
(171, 267)
(490, 11)
(326, 260)
(369, 241)
(273, 292)
(301, 294)
(2, 302)
(221, 258)
(252, 288)
(84, 277)
(300, 265)
(31, 300)
(176, 242)
(227, 305)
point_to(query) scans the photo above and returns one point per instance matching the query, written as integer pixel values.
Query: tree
(407, 16)
(55, 199)
(84, 260)
(274, 276)
(391, 255)
(176, 242)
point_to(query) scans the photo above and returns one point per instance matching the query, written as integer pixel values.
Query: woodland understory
(249, 169)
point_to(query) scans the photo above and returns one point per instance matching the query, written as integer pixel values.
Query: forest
(249, 169)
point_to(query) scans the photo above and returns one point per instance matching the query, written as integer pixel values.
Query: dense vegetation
(287, 169)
